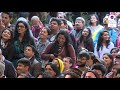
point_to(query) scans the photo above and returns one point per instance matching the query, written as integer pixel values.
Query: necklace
(60, 50)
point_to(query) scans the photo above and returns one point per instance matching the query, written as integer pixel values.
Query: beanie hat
(22, 19)
(80, 19)
(2, 69)
(27, 23)
(61, 65)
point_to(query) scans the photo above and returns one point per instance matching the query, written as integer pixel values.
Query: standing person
(61, 48)
(36, 66)
(10, 71)
(104, 44)
(94, 25)
(21, 39)
(23, 67)
(7, 44)
(85, 40)
(37, 26)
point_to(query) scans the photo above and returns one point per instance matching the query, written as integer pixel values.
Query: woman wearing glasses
(22, 38)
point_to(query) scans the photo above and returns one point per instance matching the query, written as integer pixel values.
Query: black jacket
(10, 71)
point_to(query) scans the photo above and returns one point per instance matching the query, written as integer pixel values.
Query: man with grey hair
(79, 26)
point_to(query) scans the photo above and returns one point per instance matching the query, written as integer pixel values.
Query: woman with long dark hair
(6, 44)
(85, 40)
(60, 48)
(114, 52)
(104, 44)
(108, 58)
(22, 38)
(94, 25)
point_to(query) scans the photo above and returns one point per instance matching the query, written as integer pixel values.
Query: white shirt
(104, 50)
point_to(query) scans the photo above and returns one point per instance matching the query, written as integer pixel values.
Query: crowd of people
(59, 48)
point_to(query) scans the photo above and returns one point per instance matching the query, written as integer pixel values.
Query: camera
(56, 55)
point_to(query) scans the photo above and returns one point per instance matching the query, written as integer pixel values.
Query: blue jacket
(112, 34)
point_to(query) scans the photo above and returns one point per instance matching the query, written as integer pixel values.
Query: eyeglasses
(20, 26)
(82, 59)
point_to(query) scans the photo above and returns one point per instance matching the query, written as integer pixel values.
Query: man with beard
(81, 61)
(79, 26)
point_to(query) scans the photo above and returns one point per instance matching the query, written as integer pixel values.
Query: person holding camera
(60, 48)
